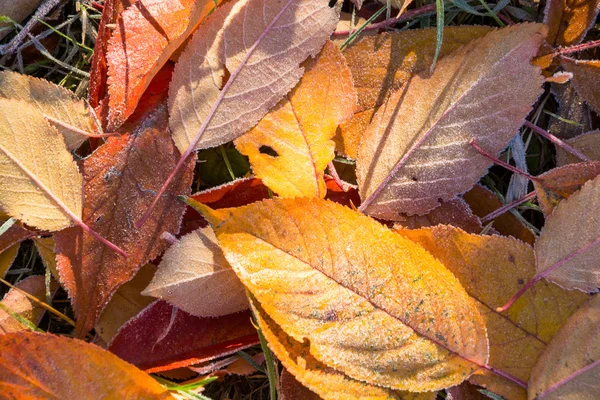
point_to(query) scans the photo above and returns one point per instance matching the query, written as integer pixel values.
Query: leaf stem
(508, 207)
(497, 161)
(556, 141)
(77, 130)
(62, 205)
(192, 147)
(545, 273)
(335, 175)
(577, 47)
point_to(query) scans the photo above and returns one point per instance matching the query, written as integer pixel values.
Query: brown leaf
(586, 78)
(147, 34)
(19, 304)
(42, 366)
(559, 183)
(51, 100)
(569, 20)
(588, 144)
(240, 63)
(13, 235)
(195, 277)
(483, 201)
(7, 257)
(298, 131)
(161, 338)
(126, 303)
(340, 280)
(489, 267)
(37, 170)
(567, 250)
(455, 212)
(121, 177)
(291, 389)
(568, 369)
(570, 107)
(417, 149)
(17, 11)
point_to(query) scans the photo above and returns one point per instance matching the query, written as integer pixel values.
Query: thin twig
(77, 130)
(497, 161)
(556, 141)
(508, 207)
(576, 48)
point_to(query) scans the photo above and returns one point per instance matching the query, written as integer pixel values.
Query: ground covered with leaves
(298, 199)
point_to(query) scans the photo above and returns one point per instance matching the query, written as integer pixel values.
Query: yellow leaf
(327, 382)
(45, 248)
(36, 170)
(568, 369)
(299, 130)
(489, 267)
(332, 276)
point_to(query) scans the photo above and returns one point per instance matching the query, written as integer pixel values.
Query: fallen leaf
(559, 183)
(465, 391)
(39, 366)
(19, 304)
(17, 11)
(327, 382)
(588, 144)
(218, 99)
(7, 257)
(569, 20)
(37, 170)
(291, 389)
(291, 146)
(121, 177)
(455, 212)
(45, 248)
(571, 107)
(13, 235)
(489, 267)
(126, 303)
(568, 369)
(417, 149)
(195, 277)
(483, 201)
(586, 78)
(349, 133)
(307, 260)
(147, 34)
(156, 340)
(50, 100)
(567, 251)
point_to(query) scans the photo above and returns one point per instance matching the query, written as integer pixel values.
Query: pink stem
(508, 207)
(392, 21)
(505, 18)
(62, 205)
(192, 147)
(77, 130)
(509, 167)
(545, 273)
(576, 48)
(335, 175)
(556, 141)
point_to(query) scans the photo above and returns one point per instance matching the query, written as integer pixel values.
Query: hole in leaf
(226, 76)
(332, 3)
(268, 151)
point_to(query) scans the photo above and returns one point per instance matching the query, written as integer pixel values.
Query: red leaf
(155, 340)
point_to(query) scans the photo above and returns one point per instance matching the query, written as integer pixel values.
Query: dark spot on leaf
(511, 258)
(268, 151)
(414, 179)
(520, 281)
(226, 76)
(330, 316)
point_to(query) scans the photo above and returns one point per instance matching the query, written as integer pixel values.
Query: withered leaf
(19, 304)
(568, 369)
(298, 131)
(41, 366)
(147, 34)
(489, 267)
(417, 149)
(567, 250)
(455, 212)
(240, 63)
(588, 144)
(162, 338)
(120, 179)
(195, 277)
(17, 11)
(569, 20)
(334, 277)
(40, 183)
(586, 78)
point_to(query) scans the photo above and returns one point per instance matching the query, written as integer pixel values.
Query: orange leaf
(586, 78)
(348, 285)
(162, 338)
(569, 20)
(559, 183)
(41, 366)
(147, 34)
(298, 131)
(21, 305)
(291, 389)
(417, 148)
(121, 177)
(490, 267)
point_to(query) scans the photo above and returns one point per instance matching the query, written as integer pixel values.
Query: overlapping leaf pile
(350, 307)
